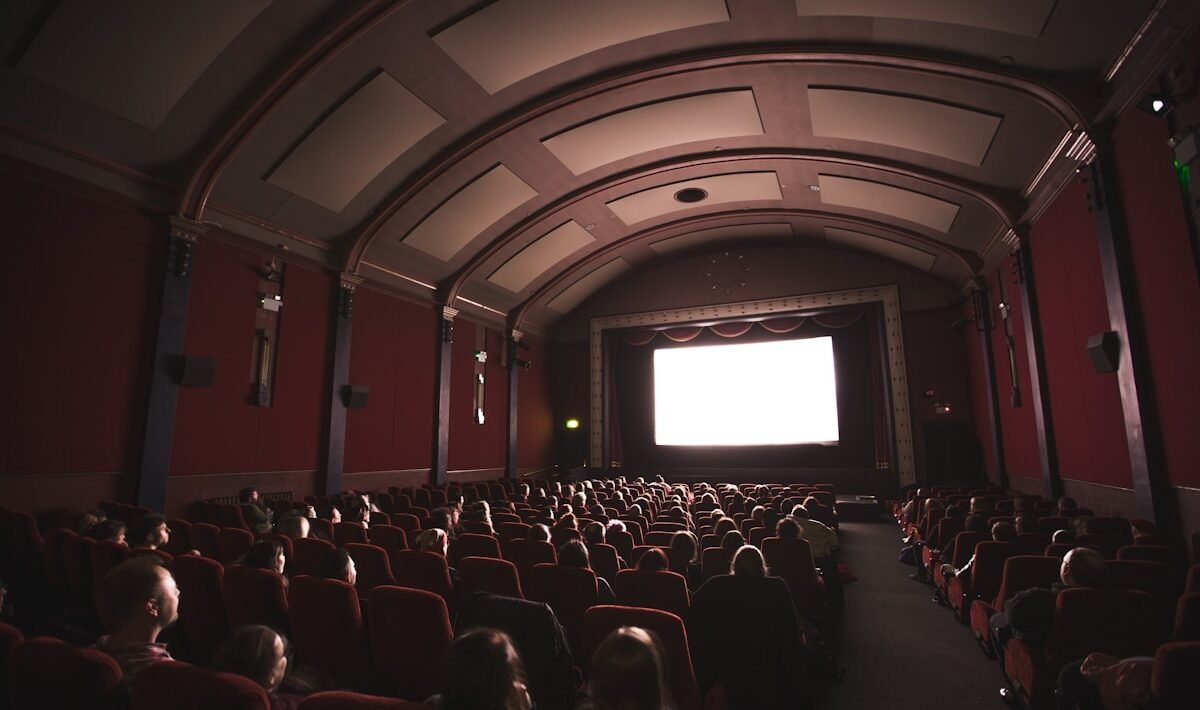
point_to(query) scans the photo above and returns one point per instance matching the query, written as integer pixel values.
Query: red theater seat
(202, 616)
(410, 634)
(476, 545)
(569, 591)
(327, 629)
(344, 533)
(484, 574)
(512, 530)
(182, 686)
(985, 576)
(389, 537)
(409, 523)
(957, 556)
(233, 544)
(308, 552)
(48, 673)
(256, 596)
(374, 567)
(284, 541)
(204, 538)
(424, 570)
(602, 620)
(666, 591)
(106, 555)
(347, 700)
(1187, 619)
(605, 561)
(1175, 682)
(77, 564)
(1021, 572)
(714, 561)
(527, 553)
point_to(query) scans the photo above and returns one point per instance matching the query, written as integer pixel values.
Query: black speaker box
(192, 371)
(356, 396)
(1104, 350)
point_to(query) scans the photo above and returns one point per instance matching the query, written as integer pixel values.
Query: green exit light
(572, 423)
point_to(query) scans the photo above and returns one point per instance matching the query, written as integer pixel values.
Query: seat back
(714, 561)
(1187, 618)
(389, 537)
(10, 638)
(945, 531)
(602, 620)
(346, 532)
(793, 561)
(255, 596)
(374, 567)
(485, 574)
(188, 687)
(1023, 572)
(289, 550)
(410, 634)
(233, 544)
(202, 616)
(964, 547)
(307, 554)
(180, 542)
(561, 536)
(476, 545)
(49, 673)
(569, 591)
(622, 541)
(527, 553)
(604, 560)
(409, 523)
(1052, 524)
(988, 569)
(512, 530)
(1118, 622)
(106, 555)
(327, 629)
(204, 538)
(349, 700)
(1032, 543)
(77, 565)
(1175, 682)
(666, 591)
(424, 570)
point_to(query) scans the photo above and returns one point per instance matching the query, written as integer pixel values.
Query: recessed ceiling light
(815, 188)
(689, 195)
(589, 227)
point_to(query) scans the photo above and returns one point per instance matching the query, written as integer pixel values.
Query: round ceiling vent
(691, 194)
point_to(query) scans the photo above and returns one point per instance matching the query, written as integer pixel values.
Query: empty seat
(409, 523)
(255, 596)
(327, 629)
(48, 673)
(1175, 682)
(233, 544)
(1032, 543)
(183, 686)
(349, 700)
(424, 570)
(666, 591)
(410, 634)
(77, 565)
(476, 545)
(485, 574)
(389, 537)
(1021, 572)
(307, 554)
(374, 567)
(602, 620)
(569, 591)
(202, 616)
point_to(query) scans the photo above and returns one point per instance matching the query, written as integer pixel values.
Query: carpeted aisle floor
(901, 650)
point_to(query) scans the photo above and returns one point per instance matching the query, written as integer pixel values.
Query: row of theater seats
(1151, 605)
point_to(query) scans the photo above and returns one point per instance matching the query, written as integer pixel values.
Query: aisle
(901, 650)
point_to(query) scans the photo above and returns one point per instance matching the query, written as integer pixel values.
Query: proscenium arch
(516, 317)
(997, 202)
(888, 296)
(1057, 104)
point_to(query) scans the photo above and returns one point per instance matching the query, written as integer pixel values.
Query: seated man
(294, 526)
(137, 600)
(257, 517)
(1029, 614)
(149, 532)
(821, 538)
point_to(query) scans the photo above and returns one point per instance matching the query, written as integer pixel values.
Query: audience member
(484, 672)
(574, 553)
(266, 554)
(337, 564)
(109, 529)
(538, 533)
(1001, 532)
(295, 526)
(260, 654)
(148, 532)
(1029, 614)
(732, 541)
(629, 672)
(821, 538)
(137, 599)
(593, 533)
(256, 516)
(684, 557)
(653, 560)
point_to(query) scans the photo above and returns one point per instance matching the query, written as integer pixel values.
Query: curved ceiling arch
(586, 264)
(979, 194)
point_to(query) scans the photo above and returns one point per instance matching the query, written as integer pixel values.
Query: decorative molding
(449, 313)
(888, 296)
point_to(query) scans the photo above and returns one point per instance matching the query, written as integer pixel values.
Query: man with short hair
(149, 532)
(1029, 614)
(295, 526)
(137, 600)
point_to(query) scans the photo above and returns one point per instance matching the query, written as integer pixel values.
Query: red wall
(392, 353)
(936, 361)
(217, 430)
(535, 409)
(80, 285)
(1089, 427)
(1167, 284)
(1021, 456)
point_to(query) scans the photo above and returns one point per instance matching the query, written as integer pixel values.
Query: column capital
(348, 281)
(186, 229)
(516, 335)
(449, 313)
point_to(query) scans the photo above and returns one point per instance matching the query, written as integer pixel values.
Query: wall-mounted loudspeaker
(356, 396)
(192, 371)
(1104, 350)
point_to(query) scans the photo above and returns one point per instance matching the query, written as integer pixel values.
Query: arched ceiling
(513, 156)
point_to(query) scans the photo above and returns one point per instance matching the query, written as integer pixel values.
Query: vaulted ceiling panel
(470, 211)
(574, 294)
(1026, 18)
(535, 259)
(509, 40)
(916, 258)
(667, 123)
(665, 199)
(925, 126)
(716, 235)
(894, 202)
(369, 131)
(135, 58)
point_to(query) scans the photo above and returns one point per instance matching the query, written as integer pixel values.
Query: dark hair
(724, 525)
(653, 561)
(685, 548)
(1004, 531)
(334, 564)
(539, 532)
(731, 541)
(245, 493)
(250, 652)
(107, 529)
(140, 529)
(574, 553)
(748, 562)
(593, 533)
(442, 518)
(484, 672)
(629, 672)
(262, 554)
(787, 529)
(125, 589)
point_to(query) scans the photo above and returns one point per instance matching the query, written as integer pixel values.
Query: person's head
(433, 540)
(685, 547)
(1003, 531)
(109, 529)
(593, 533)
(266, 554)
(331, 513)
(974, 523)
(539, 533)
(723, 526)
(731, 541)
(653, 561)
(955, 512)
(1082, 525)
(139, 595)
(248, 495)
(1066, 505)
(748, 562)
(296, 527)
(484, 672)
(567, 521)
(1026, 523)
(337, 564)
(787, 529)
(629, 672)
(256, 652)
(574, 553)
(150, 530)
(799, 512)
(615, 525)
(1062, 536)
(441, 519)
(756, 513)
(85, 522)
(1083, 567)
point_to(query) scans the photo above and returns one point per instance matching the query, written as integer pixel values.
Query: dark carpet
(899, 649)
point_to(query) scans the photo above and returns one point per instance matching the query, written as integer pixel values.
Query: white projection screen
(756, 394)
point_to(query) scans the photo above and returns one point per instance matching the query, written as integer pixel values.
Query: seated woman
(629, 673)
(654, 560)
(483, 671)
(685, 558)
(268, 555)
(258, 653)
(575, 554)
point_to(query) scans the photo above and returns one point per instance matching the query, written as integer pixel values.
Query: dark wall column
(441, 396)
(510, 461)
(164, 390)
(335, 449)
(1152, 492)
(1039, 395)
(983, 326)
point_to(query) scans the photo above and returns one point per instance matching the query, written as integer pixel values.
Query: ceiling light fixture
(691, 195)
(815, 188)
